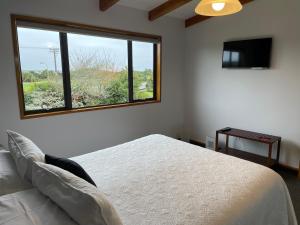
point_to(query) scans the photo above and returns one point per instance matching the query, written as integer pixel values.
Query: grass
(144, 95)
(30, 87)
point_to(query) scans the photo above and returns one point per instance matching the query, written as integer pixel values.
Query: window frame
(131, 36)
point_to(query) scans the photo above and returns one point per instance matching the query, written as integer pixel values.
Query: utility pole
(55, 52)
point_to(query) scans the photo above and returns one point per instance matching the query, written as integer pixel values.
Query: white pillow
(10, 181)
(31, 207)
(24, 152)
(81, 200)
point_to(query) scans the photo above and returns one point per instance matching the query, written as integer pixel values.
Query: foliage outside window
(61, 69)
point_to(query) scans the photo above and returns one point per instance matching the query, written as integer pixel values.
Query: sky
(36, 49)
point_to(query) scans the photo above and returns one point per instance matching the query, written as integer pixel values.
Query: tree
(100, 59)
(28, 76)
(117, 90)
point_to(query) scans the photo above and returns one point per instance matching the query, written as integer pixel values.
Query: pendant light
(218, 7)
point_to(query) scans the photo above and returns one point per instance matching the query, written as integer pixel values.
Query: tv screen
(254, 54)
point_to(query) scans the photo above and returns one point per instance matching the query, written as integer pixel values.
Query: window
(65, 67)
(41, 69)
(143, 76)
(98, 70)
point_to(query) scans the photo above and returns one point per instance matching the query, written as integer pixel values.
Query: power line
(35, 47)
(54, 51)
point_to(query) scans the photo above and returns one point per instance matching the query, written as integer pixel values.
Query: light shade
(218, 7)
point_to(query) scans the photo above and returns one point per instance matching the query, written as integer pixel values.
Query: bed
(157, 180)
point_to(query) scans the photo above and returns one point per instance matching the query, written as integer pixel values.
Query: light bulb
(218, 6)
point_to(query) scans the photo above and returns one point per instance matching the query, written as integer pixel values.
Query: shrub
(117, 90)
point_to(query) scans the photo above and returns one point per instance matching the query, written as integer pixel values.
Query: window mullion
(130, 71)
(66, 69)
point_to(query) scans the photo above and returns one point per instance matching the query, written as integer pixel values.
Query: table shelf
(262, 160)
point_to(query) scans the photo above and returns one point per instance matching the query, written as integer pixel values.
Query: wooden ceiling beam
(195, 19)
(198, 18)
(166, 8)
(106, 4)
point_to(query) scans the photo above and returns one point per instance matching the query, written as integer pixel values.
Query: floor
(294, 187)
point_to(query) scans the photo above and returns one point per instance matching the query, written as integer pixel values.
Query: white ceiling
(183, 12)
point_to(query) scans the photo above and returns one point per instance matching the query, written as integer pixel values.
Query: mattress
(157, 180)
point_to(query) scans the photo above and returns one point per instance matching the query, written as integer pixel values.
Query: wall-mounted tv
(254, 54)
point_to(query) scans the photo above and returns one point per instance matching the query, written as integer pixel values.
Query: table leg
(278, 150)
(270, 153)
(217, 142)
(299, 171)
(227, 143)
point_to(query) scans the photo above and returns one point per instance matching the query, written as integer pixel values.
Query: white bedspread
(30, 207)
(157, 180)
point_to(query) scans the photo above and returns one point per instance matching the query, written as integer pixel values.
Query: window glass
(142, 70)
(98, 70)
(41, 69)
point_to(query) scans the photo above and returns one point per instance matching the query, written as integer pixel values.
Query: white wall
(74, 134)
(264, 101)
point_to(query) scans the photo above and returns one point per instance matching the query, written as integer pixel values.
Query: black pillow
(70, 166)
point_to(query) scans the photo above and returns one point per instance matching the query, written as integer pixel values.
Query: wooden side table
(253, 136)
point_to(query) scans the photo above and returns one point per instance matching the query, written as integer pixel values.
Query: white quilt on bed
(157, 180)
(30, 207)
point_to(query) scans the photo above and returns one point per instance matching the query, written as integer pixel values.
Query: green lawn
(144, 95)
(30, 87)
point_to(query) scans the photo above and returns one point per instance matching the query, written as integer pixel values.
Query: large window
(66, 67)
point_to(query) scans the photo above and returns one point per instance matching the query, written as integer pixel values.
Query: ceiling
(183, 12)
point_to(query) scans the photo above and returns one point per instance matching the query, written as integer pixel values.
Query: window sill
(87, 109)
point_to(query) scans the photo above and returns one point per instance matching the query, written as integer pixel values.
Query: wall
(260, 100)
(70, 135)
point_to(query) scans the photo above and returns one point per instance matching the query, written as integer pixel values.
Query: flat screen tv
(254, 54)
